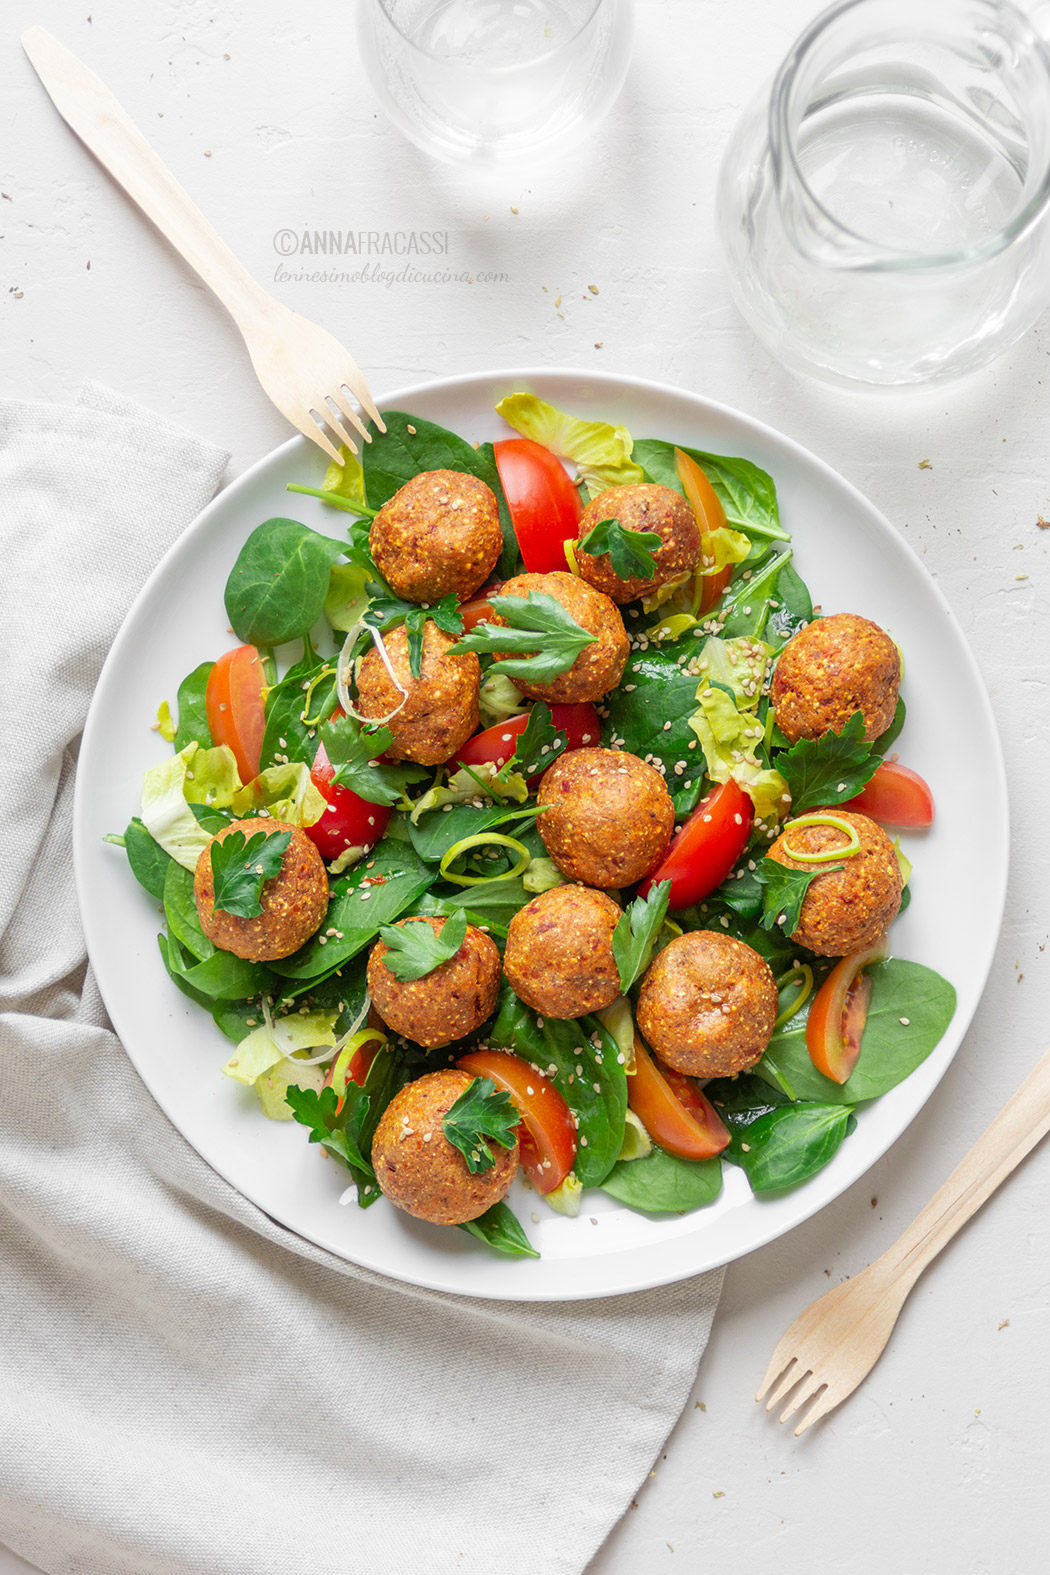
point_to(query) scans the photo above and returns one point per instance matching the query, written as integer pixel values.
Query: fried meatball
(708, 1004)
(832, 668)
(441, 711)
(294, 901)
(649, 507)
(439, 533)
(847, 910)
(448, 1003)
(599, 667)
(417, 1167)
(607, 817)
(559, 957)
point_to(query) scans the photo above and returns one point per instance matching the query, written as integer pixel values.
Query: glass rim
(386, 6)
(880, 257)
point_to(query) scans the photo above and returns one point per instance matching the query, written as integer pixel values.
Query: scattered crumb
(977, 1412)
(207, 153)
(598, 343)
(226, 57)
(513, 210)
(1041, 523)
(828, 1273)
(8, 198)
(593, 289)
(874, 1203)
(700, 1406)
(557, 300)
(719, 1494)
(633, 1504)
(1005, 1324)
(535, 1218)
(1020, 576)
(671, 1546)
(924, 464)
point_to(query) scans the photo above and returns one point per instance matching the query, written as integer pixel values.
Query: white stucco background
(940, 1460)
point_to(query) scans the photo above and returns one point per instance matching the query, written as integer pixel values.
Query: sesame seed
(905, 1020)
(583, 1141)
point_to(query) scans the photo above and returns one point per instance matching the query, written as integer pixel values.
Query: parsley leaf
(630, 551)
(783, 892)
(540, 626)
(241, 866)
(352, 748)
(481, 1113)
(636, 931)
(385, 610)
(540, 735)
(339, 1134)
(829, 769)
(413, 949)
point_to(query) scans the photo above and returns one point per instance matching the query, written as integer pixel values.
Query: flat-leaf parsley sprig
(415, 949)
(477, 1114)
(542, 641)
(241, 866)
(630, 552)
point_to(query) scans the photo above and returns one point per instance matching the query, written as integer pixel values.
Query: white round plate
(852, 561)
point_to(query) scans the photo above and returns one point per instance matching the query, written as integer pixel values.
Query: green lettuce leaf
(285, 792)
(602, 453)
(166, 814)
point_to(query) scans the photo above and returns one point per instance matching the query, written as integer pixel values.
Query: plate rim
(525, 1289)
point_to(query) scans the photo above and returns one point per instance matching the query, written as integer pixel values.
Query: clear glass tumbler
(883, 208)
(492, 80)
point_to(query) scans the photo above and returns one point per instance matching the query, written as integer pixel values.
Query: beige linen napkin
(187, 1387)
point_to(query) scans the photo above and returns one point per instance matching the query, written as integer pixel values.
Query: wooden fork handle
(1019, 1126)
(88, 106)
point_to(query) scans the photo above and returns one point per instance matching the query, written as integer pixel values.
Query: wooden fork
(837, 1341)
(303, 369)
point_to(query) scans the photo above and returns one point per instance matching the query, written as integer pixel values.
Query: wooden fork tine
(822, 1404)
(310, 429)
(340, 400)
(780, 1362)
(809, 1389)
(338, 428)
(794, 1374)
(357, 386)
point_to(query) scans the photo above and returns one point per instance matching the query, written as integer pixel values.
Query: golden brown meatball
(599, 667)
(441, 711)
(832, 668)
(559, 957)
(649, 507)
(417, 1167)
(294, 901)
(607, 817)
(708, 1004)
(439, 533)
(847, 910)
(448, 1003)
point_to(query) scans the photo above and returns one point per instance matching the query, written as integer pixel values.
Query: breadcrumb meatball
(850, 909)
(441, 711)
(599, 667)
(607, 817)
(439, 533)
(559, 958)
(832, 668)
(294, 901)
(707, 1004)
(417, 1167)
(649, 507)
(446, 1004)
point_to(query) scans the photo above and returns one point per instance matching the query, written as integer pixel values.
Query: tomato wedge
(496, 744)
(897, 796)
(350, 821)
(706, 847)
(356, 1069)
(672, 1109)
(479, 610)
(835, 1025)
(710, 515)
(233, 704)
(548, 1133)
(544, 505)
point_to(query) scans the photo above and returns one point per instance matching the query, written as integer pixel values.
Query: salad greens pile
(465, 846)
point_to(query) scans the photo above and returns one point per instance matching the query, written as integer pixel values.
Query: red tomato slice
(496, 744)
(350, 821)
(707, 846)
(710, 515)
(477, 611)
(233, 703)
(836, 1019)
(897, 796)
(672, 1109)
(355, 1071)
(544, 505)
(548, 1135)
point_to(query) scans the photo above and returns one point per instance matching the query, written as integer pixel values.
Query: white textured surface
(944, 1448)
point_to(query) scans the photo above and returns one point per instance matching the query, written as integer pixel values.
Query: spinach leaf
(277, 587)
(494, 904)
(829, 769)
(370, 895)
(148, 860)
(661, 1183)
(745, 607)
(746, 493)
(788, 1145)
(794, 608)
(589, 1077)
(892, 733)
(294, 708)
(498, 1227)
(656, 691)
(220, 977)
(889, 1050)
(396, 455)
(193, 717)
(439, 829)
(180, 911)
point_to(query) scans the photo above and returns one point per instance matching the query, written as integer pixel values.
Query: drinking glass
(491, 80)
(883, 208)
